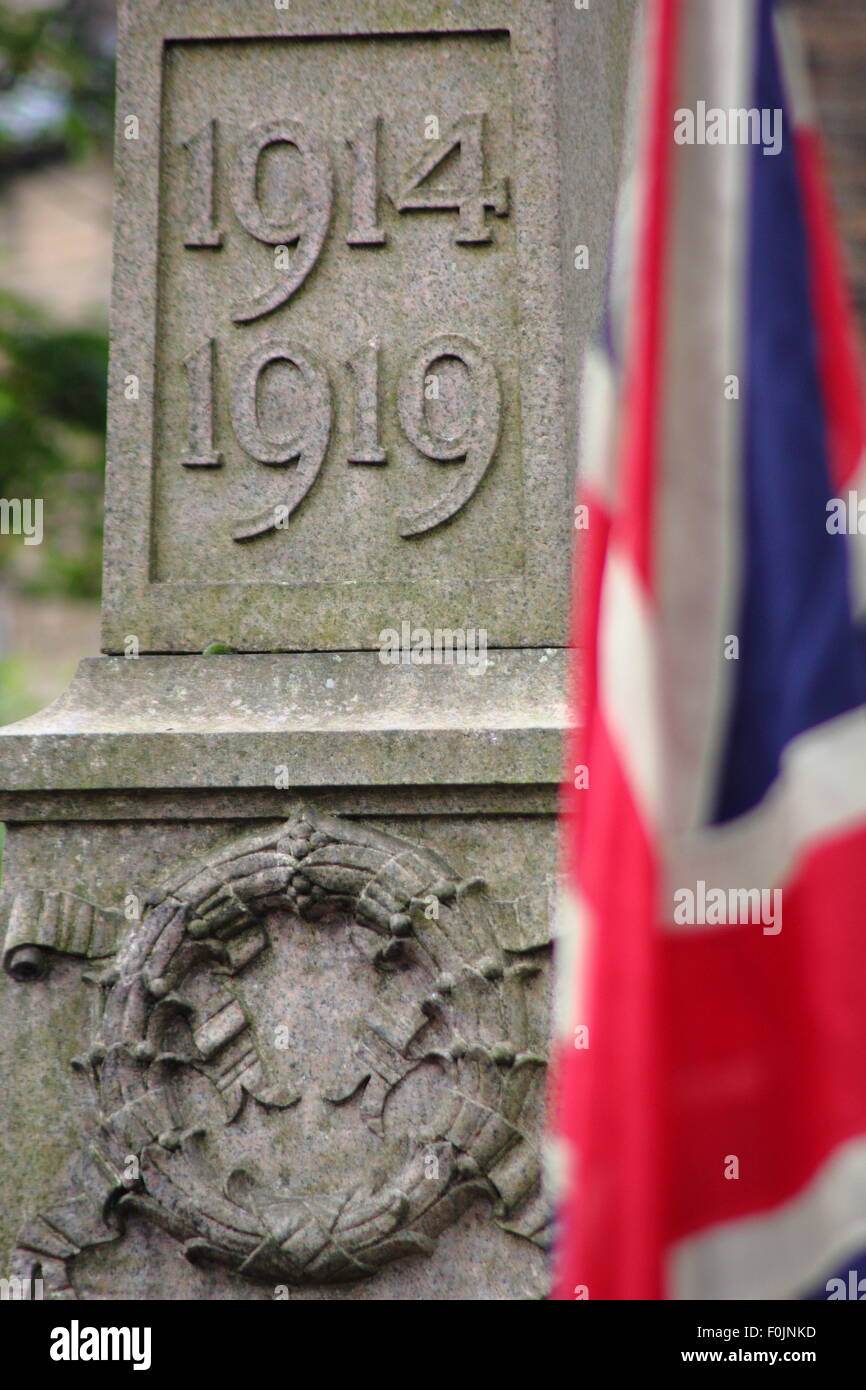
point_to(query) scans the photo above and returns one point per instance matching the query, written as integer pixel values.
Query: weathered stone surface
(219, 1115)
(277, 922)
(432, 254)
(331, 719)
(325, 986)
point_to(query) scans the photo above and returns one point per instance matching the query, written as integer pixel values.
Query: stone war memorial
(280, 864)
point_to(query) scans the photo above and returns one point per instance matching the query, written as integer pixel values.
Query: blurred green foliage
(16, 696)
(56, 97)
(52, 426)
(56, 82)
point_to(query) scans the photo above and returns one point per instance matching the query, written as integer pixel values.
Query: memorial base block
(277, 912)
(296, 1034)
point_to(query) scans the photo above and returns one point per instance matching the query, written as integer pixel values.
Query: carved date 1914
(470, 194)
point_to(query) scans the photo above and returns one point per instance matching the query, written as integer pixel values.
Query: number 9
(308, 228)
(476, 446)
(309, 448)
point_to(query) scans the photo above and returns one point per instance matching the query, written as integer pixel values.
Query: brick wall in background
(835, 35)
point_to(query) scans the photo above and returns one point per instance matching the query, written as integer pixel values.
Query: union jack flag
(709, 1109)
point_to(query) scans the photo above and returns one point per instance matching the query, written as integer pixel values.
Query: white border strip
(786, 1253)
(701, 440)
(820, 793)
(628, 684)
(856, 542)
(795, 73)
(573, 920)
(598, 429)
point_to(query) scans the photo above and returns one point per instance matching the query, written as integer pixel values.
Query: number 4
(471, 195)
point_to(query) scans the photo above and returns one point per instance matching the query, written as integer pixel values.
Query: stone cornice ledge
(232, 720)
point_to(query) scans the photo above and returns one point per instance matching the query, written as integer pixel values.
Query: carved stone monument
(280, 864)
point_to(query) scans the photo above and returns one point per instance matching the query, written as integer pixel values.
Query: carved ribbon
(59, 922)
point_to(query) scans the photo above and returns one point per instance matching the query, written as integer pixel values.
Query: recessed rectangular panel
(338, 289)
(329, 340)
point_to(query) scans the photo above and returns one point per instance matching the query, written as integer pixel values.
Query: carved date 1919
(470, 194)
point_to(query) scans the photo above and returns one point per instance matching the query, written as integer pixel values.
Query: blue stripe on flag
(847, 1277)
(800, 661)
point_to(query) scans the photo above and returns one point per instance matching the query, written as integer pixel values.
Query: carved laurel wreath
(214, 918)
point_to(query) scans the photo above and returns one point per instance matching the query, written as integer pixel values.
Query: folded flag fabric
(708, 1116)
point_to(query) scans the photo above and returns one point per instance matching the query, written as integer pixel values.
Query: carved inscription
(307, 227)
(199, 370)
(201, 229)
(475, 447)
(365, 229)
(298, 233)
(307, 448)
(470, 195)
(365, 368)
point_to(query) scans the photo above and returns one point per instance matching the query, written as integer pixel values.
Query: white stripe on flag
(598, 421)
(624, 250)
(787, 1252)
(701, 436)
(628, 683)
(820, 792)
(856, 540)
(795, 74)
(572, 923)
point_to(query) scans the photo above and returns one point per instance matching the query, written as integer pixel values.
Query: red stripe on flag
(608, 1105)
(608, 1102)
(767, 1041)
(644, 355)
